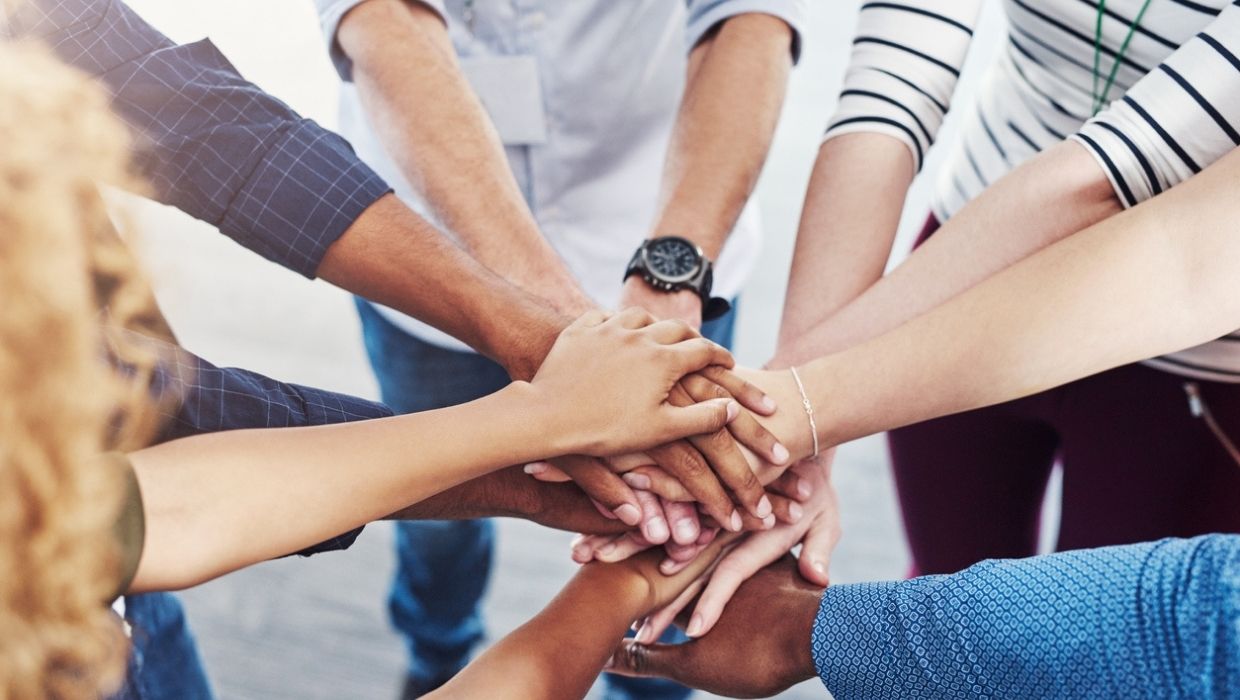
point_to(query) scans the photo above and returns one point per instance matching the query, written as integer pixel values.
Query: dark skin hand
(510, 493)
(760, 647)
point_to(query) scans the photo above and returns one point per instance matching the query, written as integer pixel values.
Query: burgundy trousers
(1137, 466)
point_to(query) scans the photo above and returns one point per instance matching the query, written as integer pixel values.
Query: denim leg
(720, 330)
(442, 566)
(165, 664)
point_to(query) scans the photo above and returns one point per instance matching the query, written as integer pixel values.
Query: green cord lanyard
(1100, 98)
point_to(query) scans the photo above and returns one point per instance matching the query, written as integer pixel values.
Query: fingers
(621, 548)
(745, 428)
(589, 319)
(791, 485)
(654, 626)
(702, 418)
(721, 451)
(750, 395)
(655, 480)
(682, 518)
(603, 486)
(786, 510)
(546, 471)
(816, 549)
(697, 354)
(744, 561)
(653, 521)
(632, 318)
(686, 464)
(670, 331)
(673, 661)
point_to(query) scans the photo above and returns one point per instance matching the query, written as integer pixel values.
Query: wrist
(684, 304)
(801, 613)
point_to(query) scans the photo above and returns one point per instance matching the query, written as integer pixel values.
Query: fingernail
(637, 481)
(780, 453)
(686, 531)
(643, 635)
(820, 567)
(794, 512)
(629, 514)
(804, 490)
(768, 403)
(667, 566)
(607, 549)
(734, 410)
(764, 508)
(535, 468)
(657, 531)
(695, 625)
(736, 523)
(768, 522)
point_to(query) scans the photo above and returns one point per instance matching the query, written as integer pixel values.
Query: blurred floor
(307, 629)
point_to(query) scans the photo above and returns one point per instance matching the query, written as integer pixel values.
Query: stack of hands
(755, 477)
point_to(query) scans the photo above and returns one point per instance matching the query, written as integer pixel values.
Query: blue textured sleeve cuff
(705, 14)
(1153, 620)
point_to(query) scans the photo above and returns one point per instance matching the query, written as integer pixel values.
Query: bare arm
(1054, 195)
(1154, 279)
(436, 129)
(736, 82)
(215, 503)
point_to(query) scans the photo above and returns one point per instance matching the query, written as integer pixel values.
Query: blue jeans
(443, 566)
(164, 663)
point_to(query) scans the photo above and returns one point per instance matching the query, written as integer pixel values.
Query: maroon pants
(1137, 466)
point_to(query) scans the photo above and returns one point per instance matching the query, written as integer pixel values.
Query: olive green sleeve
(130, 526)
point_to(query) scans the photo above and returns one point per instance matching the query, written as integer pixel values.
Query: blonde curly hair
(65, 398)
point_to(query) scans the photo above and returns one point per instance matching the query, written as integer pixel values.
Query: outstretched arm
(218, 502)
(399, 56)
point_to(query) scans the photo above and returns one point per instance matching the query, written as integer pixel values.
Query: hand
(760, 647)
(609, 380)
(683, 305)
(818, 531)
(698, 466)
(653, 589)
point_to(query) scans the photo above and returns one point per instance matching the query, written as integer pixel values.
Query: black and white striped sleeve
(1178, 119)
(906, 60)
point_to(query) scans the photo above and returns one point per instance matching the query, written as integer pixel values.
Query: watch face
(672, 259)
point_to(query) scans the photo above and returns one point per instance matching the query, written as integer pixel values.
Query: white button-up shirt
(611, 73)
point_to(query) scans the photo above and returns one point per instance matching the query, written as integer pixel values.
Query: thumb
(701, 418)
(674, 662)
(816, 548)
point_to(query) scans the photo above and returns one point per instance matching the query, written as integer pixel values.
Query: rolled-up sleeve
(1181, 117)
(209, 142)
(1154, 620)
(705, 14)
(331, 12)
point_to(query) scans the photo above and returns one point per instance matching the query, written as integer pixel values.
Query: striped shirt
(1174, 107)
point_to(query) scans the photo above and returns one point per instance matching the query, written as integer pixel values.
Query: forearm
(392, 256)
(1052, 196)
(436, 129)
(558, 654)
(735, 89)
(1086, 623)
(851, 214)
(219, 502)
(1157, 278)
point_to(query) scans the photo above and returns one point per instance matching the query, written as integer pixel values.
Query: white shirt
(611, 74)
(1174, 107)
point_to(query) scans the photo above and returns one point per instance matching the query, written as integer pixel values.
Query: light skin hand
(638, 362)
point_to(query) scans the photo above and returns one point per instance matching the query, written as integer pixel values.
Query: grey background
(316, 628)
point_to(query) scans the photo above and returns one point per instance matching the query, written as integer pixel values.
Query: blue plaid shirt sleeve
(201, 398)
(211, 143)
(1153, 620)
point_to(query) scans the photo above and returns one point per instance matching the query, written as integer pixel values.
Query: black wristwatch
(672, 263)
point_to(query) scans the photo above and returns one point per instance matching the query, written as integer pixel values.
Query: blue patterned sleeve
(1155, 620)
(201, 398)
(209, 142)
